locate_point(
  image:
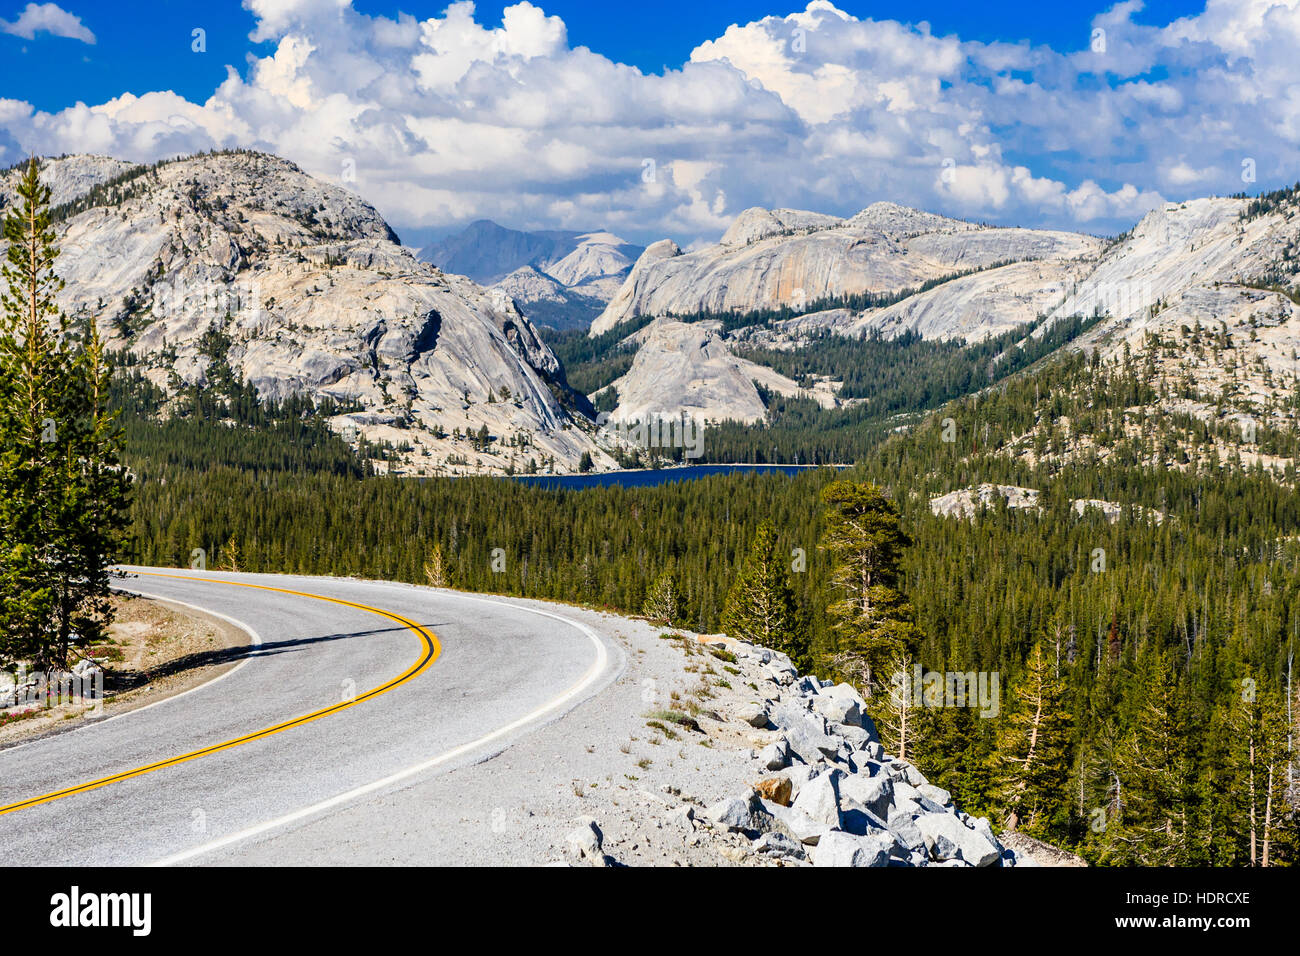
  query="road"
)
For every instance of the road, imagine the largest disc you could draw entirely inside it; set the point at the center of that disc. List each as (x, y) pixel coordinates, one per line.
(352, 688)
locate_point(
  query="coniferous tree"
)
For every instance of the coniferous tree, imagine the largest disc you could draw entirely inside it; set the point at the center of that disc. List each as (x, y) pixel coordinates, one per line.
(435, 569)
(872, 619)
(1033, 754)
(661, 602)
(62, 489)
(1256, 758)
(898, 715)
(94, 510)
(1154, 767)
(760, 607)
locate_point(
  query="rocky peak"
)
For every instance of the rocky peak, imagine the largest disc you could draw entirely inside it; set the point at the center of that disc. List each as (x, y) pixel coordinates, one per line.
(307, 283)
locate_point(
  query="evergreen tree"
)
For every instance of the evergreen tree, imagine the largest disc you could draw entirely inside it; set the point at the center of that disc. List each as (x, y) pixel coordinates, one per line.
(94, 510)
(1154, 767)
(760, 607)
(62, 490)
(872, 619)
(661, 603)
(898, 714)
(435, 569)
(1033, 750)
(229, 555)
(1256, 764)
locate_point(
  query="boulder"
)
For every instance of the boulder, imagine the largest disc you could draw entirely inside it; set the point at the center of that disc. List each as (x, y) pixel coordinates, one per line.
(819, 799)
(776, 789)
(798, 774)
(948, 839)
(838, 848)
(798, 825)
(806, 685)
(838, 709)
(855, 737)
(874, 793)
(906, 772)
(745, 814)
(780, 846)
(780, 674)
(903, 826)
(805, 733)
(776, 755)
(752, 713)
(939, 795)
(586, 841)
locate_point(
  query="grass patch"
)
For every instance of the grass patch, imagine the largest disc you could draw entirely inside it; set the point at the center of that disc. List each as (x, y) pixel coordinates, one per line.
(676, 717)
(663, 729)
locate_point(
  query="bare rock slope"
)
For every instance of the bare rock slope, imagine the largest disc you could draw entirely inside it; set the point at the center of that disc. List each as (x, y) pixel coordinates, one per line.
(769, 259)
(316, 297)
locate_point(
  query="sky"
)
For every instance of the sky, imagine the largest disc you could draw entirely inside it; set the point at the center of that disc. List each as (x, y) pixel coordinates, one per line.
(670, 118)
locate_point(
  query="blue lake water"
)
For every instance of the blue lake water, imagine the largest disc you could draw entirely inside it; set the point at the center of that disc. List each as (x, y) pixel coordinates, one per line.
(652, 476)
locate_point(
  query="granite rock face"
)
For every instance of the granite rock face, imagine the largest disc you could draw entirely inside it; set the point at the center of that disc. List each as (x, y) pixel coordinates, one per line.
(774, 258)
(316, 297)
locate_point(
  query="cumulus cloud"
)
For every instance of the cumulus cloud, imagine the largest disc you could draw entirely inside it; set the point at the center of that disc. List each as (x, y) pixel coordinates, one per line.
(48, 18)
(447, 119)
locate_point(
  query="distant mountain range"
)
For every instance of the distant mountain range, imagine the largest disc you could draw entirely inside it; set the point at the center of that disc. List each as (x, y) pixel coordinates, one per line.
(301, 288)
(558, 278)
(784, 279)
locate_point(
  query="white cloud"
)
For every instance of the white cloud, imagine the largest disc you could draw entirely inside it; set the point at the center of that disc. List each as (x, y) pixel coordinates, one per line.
(447, 119)
(48, 18)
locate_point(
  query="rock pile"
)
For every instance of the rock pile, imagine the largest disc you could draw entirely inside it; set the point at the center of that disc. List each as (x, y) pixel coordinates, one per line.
(829, 795)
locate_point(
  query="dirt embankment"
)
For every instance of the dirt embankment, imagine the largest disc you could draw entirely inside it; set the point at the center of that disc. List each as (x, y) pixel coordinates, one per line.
(155, 650)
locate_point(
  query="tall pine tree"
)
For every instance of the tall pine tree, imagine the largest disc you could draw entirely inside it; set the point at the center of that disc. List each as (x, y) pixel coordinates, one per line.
(760, 607)
(871, 618)
(1033, 755)
(63, 491)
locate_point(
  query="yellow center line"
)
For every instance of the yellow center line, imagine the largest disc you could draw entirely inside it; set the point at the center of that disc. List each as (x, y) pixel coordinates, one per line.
(432, 649)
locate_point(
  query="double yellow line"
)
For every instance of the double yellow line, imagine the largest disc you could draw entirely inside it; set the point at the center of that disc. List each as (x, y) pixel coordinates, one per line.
(430, 653)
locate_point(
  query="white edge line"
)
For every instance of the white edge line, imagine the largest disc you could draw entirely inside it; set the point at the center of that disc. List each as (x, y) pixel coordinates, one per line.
(593, 672)
(255, 640)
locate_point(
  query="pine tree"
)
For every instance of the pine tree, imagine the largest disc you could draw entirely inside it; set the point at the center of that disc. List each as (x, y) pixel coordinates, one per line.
(872, 619)
(1033, 748)
(661, 602)
(94, 510)
(229, 555)
(435, 569)
(898, 714)
(34, 427)
(1154, 768)
(760, 607)
(1256, 765)
(63, 492)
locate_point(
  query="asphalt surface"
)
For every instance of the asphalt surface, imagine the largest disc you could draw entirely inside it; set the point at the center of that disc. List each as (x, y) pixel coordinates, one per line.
(443, 680)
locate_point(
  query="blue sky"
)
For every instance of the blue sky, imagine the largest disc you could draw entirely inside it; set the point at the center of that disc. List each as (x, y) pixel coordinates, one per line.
(671, 117)
(144, 45)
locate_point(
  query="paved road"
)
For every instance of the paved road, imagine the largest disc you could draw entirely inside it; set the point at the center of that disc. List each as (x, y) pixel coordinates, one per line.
(353, 688)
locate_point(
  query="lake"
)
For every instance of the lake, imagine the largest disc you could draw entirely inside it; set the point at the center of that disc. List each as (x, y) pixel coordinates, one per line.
(641, 478)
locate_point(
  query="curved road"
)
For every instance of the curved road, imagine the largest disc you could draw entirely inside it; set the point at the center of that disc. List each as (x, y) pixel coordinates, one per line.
(351, 688)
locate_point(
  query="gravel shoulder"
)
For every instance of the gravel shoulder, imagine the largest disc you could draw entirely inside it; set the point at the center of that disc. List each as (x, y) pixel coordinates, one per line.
(661, 761)
(157, 649)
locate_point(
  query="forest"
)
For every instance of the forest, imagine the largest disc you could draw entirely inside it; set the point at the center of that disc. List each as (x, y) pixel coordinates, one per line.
(1159, 644)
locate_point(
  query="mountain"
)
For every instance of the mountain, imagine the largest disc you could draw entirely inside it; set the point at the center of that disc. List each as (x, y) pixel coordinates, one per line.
(561, 279)
(302, 289)
(798, 284)
(772, 259)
